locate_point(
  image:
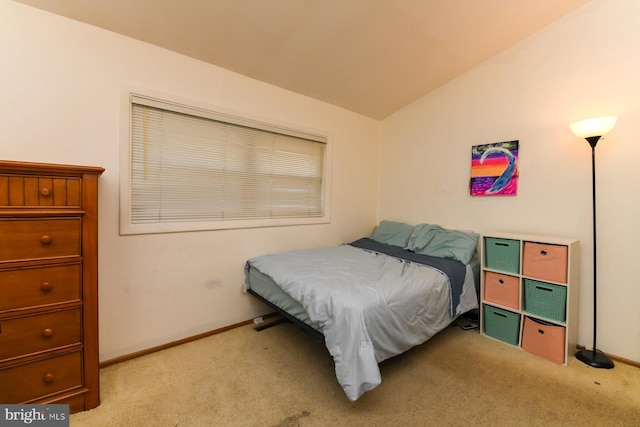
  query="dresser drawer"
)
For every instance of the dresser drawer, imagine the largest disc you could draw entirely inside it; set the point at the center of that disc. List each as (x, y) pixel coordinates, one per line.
(40, 378)
(30, 334)
(546, 262)
(39, 191)
(75, 400)
(38, 286)
(27, 238)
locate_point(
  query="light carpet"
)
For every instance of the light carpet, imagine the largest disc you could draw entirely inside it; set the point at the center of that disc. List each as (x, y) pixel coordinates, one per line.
(283, 377)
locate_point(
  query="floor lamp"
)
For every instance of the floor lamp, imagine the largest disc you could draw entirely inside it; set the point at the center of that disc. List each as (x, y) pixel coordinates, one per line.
(592, 130)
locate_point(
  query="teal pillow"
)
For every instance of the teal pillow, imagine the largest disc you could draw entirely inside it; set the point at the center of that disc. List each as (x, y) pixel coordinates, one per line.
(392, 233)
(433, 240)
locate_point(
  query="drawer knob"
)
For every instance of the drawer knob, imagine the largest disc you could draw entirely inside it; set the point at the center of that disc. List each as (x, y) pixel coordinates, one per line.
(44, 191)
(45, 240)
(48, 378)
(47, 333)
(46, 287)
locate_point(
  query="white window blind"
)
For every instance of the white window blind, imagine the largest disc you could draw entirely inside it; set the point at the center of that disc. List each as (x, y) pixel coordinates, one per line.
(193, 165)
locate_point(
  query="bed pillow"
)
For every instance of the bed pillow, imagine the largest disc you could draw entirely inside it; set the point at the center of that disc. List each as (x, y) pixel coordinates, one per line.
(433, 240)
(392, 233)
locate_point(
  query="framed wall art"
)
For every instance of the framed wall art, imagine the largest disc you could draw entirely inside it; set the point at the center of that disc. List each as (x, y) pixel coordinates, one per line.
(494, 169)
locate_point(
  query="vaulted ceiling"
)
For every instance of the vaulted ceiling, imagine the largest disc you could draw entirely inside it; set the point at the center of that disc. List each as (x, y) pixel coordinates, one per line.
(369, 56)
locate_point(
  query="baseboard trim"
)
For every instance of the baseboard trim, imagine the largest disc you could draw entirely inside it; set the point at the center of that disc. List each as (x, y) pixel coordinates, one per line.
(247, 322)
(176, 343)
(614, 357)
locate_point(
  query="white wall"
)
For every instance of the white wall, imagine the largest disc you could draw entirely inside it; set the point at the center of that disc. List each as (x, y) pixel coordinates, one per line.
(59, 86)
(585, 65)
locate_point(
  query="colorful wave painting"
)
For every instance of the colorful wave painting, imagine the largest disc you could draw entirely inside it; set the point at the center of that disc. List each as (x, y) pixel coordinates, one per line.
(494, 169)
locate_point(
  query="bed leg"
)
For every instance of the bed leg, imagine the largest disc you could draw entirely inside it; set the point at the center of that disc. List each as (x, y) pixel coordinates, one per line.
(270, 324)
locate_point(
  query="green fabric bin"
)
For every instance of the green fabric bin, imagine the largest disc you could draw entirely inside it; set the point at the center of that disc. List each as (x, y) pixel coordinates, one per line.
(502, 254)
(545, 300)
(503, 325)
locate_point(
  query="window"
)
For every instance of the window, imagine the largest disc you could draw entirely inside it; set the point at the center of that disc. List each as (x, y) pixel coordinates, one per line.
(196, 169)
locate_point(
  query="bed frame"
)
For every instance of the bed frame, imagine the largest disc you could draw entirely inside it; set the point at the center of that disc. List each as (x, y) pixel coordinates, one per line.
(286, 317)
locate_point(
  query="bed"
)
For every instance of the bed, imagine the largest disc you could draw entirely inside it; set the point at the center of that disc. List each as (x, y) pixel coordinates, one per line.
(374, 298)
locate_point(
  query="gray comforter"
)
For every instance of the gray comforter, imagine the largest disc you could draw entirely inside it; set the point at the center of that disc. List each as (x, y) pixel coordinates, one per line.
(370, 306)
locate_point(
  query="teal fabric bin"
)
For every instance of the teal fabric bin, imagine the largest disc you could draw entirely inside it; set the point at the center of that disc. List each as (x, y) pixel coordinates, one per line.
(503, 325)
(545, 300)
(502, 254)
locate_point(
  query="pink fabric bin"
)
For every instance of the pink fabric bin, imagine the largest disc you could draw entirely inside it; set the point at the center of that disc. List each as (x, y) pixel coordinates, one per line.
(544, 340)
(502, 289)
(546, 262)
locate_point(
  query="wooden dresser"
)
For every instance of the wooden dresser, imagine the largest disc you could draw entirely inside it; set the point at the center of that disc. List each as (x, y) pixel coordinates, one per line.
(49, 284)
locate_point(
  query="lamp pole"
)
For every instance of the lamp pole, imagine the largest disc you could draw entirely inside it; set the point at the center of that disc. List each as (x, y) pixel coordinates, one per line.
(592, 130)
(594, 357)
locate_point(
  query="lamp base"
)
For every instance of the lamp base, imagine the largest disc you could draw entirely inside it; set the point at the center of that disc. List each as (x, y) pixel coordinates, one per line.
(594, 358)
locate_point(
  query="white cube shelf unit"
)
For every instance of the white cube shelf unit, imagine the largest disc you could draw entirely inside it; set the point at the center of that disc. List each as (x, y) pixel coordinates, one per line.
(529, 293)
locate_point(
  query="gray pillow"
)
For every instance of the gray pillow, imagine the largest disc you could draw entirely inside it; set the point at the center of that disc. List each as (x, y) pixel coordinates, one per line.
(392, 233)
(433, 240)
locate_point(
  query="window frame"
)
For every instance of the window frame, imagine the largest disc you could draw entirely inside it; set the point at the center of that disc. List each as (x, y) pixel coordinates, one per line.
(127, 95)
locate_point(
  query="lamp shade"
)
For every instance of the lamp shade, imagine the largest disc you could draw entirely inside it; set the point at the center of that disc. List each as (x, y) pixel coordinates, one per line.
(598, 126)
